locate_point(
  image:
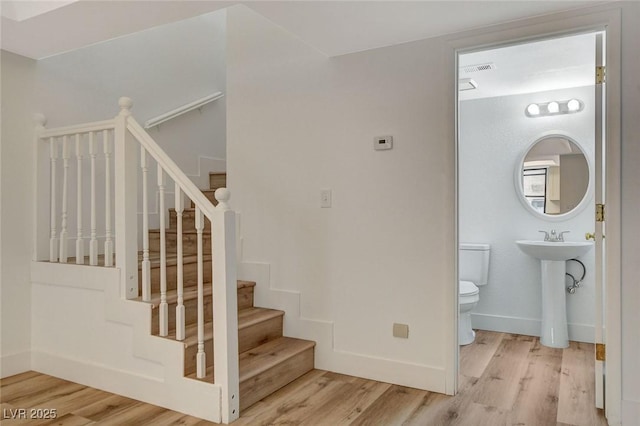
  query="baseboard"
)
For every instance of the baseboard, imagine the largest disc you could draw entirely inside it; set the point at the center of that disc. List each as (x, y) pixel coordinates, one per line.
(13, 364)
(327, 357)
(527, 326)
(630, 413)
(191, 397)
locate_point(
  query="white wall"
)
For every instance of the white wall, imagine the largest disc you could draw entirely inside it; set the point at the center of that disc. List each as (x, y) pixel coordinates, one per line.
(383, 253)
(630, 314)
(494, 135)
(17, 207)
(299, 122)
(160, 69)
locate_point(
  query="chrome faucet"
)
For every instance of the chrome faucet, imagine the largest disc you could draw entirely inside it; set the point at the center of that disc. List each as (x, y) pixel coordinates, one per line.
(553, 236)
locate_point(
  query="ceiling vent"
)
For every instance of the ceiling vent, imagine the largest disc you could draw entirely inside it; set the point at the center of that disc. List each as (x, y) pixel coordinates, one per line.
(480, 67)
(467, 84)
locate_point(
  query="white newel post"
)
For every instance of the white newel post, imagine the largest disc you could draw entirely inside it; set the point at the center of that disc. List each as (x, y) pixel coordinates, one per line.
(225, 306)
(126, 205)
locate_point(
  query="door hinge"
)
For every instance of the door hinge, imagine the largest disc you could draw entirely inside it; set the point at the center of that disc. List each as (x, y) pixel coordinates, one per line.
(599, 212)
(601, 351)
(600, 74)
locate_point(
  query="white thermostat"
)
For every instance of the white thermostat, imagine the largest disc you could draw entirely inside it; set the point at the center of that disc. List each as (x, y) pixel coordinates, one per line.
(383, 142)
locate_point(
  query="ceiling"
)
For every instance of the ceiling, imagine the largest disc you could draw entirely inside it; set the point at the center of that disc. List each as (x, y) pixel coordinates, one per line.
(38, 29)
(558, 63)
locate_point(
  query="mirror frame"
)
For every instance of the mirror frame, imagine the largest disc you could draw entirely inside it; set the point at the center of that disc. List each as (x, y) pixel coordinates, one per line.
(586, 199)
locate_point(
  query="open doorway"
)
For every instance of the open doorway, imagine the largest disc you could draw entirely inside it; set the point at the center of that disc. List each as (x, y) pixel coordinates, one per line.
(530, 160)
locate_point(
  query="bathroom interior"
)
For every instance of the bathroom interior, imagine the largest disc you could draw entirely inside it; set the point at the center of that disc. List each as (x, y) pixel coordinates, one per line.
(526, 164)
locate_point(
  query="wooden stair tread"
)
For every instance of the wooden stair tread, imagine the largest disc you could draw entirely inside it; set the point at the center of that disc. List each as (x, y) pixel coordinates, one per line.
(246, 318)
(190, 292)
(260, 359)
(268, 355)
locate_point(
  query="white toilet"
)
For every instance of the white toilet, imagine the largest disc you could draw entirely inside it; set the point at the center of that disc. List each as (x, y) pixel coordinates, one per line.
(473, 260)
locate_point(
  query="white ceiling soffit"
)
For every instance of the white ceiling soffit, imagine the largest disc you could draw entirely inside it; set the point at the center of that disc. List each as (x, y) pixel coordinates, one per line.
(21, 10)
(82, 23)
(341, 27)
(333, 27)
(558, 63)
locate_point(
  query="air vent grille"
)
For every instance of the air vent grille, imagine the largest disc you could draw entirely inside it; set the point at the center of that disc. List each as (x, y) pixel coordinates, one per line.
(479, 67)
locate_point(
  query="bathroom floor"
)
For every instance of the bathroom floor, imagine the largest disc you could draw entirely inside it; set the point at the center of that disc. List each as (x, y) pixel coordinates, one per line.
(513, 379)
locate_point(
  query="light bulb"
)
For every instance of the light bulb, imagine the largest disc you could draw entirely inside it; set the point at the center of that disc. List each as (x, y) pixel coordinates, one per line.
(533, 109)
(573, 105)
(553, 107)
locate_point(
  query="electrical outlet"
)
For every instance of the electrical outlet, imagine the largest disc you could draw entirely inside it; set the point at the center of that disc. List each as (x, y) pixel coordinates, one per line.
(325, 198)
(401, 330)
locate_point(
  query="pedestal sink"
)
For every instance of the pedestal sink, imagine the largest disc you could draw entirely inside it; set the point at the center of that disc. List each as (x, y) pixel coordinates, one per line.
(552, 256)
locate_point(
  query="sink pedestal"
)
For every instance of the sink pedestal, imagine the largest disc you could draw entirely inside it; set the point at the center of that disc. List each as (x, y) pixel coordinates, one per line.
(554, 332)
(552, 256)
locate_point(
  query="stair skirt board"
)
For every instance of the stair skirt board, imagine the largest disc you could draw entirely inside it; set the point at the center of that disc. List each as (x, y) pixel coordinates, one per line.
(105, 344)
(186, 396)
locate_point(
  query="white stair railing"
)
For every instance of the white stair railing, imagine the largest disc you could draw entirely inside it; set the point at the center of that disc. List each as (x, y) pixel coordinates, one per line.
(127, 149)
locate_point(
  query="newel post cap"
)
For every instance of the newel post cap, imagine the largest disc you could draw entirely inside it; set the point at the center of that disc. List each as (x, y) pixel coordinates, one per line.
(125, 104)
(40, 119)
(222, 195)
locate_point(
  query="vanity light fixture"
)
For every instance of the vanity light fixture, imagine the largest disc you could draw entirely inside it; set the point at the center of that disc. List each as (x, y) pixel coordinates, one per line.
(573, 105)
(554, 108)
(533, 110)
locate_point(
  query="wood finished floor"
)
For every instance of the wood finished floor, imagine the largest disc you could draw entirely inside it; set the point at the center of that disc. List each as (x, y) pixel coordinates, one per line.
(505, 379)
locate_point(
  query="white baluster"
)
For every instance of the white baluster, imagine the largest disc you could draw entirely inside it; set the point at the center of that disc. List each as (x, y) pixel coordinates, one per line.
(146, 264)
(53, 240)
(65, 180)
(201, 365)
(93, 244)
(108, 243)
(79, 241)
(164, 308)
(180, 312)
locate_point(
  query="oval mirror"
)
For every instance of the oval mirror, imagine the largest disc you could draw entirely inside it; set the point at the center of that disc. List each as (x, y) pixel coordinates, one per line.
(553, 178)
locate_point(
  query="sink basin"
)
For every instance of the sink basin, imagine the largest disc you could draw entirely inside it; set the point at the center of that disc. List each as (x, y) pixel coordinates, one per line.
(548, 250)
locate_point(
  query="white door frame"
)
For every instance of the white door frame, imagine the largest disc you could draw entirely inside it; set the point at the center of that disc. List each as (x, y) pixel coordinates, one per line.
(584, 20)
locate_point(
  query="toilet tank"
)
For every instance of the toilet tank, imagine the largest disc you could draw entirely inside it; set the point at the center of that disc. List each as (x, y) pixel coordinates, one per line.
(473, 263)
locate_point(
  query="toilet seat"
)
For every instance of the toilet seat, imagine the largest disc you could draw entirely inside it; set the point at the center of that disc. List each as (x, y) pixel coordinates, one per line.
(467, 288)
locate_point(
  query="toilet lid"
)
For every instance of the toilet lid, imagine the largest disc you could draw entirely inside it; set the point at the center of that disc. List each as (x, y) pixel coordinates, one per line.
(467, 288)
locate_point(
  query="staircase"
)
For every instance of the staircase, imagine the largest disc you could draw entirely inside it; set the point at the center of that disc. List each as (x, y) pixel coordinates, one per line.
(267, 359)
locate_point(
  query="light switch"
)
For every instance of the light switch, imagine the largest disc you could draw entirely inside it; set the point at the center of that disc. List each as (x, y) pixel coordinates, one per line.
(325, 198)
